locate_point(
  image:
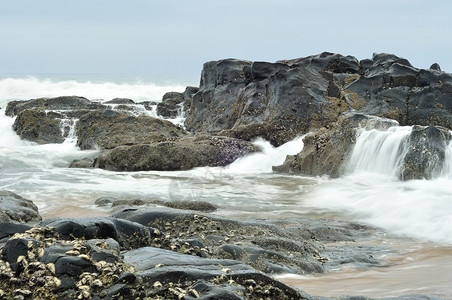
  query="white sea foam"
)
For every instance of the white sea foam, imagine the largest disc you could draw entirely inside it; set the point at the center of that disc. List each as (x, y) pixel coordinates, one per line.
(32, 87)
(372, 193)
(262, 162)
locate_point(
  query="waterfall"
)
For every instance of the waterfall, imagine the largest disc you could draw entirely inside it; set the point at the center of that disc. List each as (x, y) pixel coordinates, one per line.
(381, 152)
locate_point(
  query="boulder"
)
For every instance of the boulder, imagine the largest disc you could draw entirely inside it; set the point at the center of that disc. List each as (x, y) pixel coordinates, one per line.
(281, 100)
(426, 152)
(14, 208)
(40, 127)
(326, 151)
(108, 129)
(174, 103)
(179, 154)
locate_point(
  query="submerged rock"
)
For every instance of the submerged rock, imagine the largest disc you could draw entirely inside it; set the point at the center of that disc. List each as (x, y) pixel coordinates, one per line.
(178, 154)
(16, 208)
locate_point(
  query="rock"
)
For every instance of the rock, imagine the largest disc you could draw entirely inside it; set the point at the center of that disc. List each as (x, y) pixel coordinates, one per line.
(179, 154)
(127, 234)
(39, 126)
(435, 67)
(8, 229)
(426, 152)
(120, 101)
(166, 267)
(263, 246)
(51, 104)
(390, 87)
(326, 151)
(85, 163)
(108, 129)
(174, 104)
(281, 100)
(16, 208)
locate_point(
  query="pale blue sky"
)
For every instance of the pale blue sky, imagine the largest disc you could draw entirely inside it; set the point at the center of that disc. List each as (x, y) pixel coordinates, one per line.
(176, 37)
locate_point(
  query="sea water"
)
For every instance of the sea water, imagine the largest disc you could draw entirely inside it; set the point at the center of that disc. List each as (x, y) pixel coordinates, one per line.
(418, 212)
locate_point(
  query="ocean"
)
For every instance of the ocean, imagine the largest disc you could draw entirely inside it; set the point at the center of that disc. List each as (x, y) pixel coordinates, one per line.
(414, 217)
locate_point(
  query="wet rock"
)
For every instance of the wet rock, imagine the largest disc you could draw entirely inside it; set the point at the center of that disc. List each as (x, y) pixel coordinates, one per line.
(166, 267)
(279, 100)
(108, 129)
(120, 101)
(8, 229)
(426, 152)
(180, 154)
(16, 208)
(85, 163)
(174, 103)
(260, 245)
(48, 104)
(127, 234)
(39, 126)
(326, 151)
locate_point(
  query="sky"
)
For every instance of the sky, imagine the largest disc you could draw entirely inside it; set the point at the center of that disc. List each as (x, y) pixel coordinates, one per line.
(171, 38)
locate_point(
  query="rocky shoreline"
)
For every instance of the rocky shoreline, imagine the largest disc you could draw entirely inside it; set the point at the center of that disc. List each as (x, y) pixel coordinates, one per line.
(181, 251)
(155, 252)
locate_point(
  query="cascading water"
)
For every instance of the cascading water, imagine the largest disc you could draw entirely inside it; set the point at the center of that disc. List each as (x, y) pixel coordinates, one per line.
(379, 151)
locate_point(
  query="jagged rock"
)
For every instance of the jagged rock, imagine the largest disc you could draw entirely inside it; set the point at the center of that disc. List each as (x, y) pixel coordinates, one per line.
(173, 102)
(179, 154)
(279, 101)
(16, 208)
(326, 151)
(108, 129)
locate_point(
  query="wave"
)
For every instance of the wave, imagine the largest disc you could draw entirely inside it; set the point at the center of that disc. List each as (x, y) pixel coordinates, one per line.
(32, 87)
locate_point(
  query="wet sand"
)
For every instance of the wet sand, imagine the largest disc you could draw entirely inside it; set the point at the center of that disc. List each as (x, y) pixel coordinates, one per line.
(416, 269)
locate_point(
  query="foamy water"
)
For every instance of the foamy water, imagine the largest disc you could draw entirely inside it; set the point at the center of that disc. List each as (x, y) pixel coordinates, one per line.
(370, 191)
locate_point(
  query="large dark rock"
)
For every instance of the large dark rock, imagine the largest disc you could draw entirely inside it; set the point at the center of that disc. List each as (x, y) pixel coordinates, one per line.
(16, 208)
(108, 129)
(326, 151)
(390, 87)
(275, 100)
(279, 101)
(426, 152)
(179, 154)
(51, 104)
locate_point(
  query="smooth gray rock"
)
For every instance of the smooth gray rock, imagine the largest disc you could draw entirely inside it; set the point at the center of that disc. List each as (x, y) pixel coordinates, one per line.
(16, 208)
